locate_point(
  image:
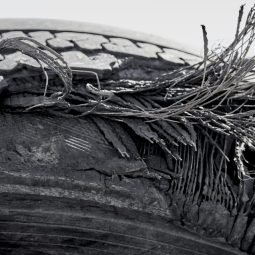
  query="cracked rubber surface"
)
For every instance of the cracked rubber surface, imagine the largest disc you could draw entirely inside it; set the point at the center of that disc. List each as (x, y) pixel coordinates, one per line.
(64, 189)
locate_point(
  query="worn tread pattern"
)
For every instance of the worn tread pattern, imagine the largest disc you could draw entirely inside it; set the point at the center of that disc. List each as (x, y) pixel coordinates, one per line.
(93, 52)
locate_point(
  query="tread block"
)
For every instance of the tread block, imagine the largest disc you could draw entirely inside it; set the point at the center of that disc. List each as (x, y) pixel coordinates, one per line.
(41, 36)
(13, 34)
(83, 40)
(125, 46)
(11, 61)
(99, 62)
(175, 56)
(57, 43)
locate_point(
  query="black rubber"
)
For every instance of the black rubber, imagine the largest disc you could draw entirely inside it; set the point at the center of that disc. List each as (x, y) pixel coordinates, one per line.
(64, 189)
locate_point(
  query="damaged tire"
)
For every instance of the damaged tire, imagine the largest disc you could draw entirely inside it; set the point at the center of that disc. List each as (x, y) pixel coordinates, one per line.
(96, 185)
